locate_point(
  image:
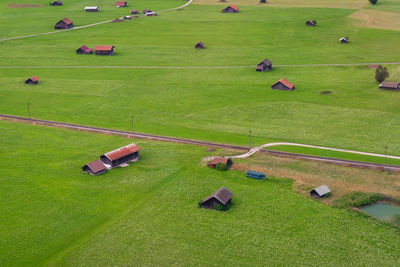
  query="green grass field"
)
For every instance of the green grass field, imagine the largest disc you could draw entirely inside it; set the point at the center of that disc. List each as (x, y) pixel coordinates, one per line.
(147, 214)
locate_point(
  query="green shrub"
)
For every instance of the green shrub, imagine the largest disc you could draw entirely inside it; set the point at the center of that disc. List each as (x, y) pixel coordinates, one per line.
(356, 199)
(381, 73)
(373, 1)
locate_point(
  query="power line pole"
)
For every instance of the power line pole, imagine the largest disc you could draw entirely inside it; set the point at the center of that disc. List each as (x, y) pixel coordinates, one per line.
(386, 159)
(250, 138)
(132, 122)
(29, 112)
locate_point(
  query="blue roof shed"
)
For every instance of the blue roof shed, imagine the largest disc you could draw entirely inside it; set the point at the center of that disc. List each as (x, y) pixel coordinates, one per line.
(255, 175)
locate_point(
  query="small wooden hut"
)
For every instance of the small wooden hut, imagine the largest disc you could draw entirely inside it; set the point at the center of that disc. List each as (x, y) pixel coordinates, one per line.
(226, 161)
(117, 20)
(230, 9)
(322, 191)
(121, 4)
(310, 23)
(146, 11)
(199, 45)
(263, 1)
(222, 197)
(56, 3)
(134, 12)
(150, 14)
(92, 9)
(84, 50)
(105, 50)
(282, 84)
(95, 167)
(127, 17)
(32, 80)
(343, 40)
(65, 23)
(121, 155)
(264, 65)
(389, 85)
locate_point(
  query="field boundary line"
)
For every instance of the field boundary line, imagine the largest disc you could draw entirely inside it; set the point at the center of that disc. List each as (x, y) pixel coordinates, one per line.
(84, 26)
(194, 67)
(341, 162)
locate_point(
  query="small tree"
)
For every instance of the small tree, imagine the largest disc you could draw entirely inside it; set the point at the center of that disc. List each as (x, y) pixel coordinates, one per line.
(373, 1)
(315, 22)
(381, 73)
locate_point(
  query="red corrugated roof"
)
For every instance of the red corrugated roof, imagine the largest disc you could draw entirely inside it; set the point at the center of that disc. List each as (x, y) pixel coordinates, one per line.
(122, 152)
(103, 47)
(120, 3)
(34, 78)
(234, 8)
(219, 160)
(284, 82)
(86, 49)
(67, 21)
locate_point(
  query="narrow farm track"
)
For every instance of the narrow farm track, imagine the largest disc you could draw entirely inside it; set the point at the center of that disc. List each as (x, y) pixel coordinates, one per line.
(192, 67)
(349, 163)
(84, 26)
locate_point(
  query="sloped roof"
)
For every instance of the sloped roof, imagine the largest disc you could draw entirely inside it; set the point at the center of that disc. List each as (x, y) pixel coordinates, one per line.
(219, 160)
(120, 3)
(234, 7)
(91, 7)
(85, 48)
(96, 166)
(122, 151)
(322, 190)
(103, 47)
(343, 39)
(266, 62)
(310, 21)
(223, 195)
(286, 83)
(67, 21)
(394, 85)
(34, 78)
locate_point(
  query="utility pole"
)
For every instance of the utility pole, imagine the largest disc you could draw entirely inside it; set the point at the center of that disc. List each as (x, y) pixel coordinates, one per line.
(132, 122)
(386, 159)
(250, 138)
(29, 112)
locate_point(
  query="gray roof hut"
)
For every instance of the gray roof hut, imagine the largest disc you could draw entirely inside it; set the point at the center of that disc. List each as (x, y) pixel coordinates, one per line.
(92, 9)
(321, 191)
(221, 197)
(343, 40)
(264, 65)
(95, 167)
(389, 85)
(56, 3)
(65, 23)
(199, 45)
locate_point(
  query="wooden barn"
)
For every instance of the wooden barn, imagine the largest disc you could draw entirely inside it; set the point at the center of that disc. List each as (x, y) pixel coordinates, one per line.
(230, 9)
(199, 45)
(263, 1)
(84, 50)
(32, 80)
(56, 3)
(264, 65)
(134, 12)
(95, 167)
(146, 11)
(389, 85)
(127, 17)
(92, 9)
(65, 23)
(282, 84)
(121, 155)
(222, 197)
(226, 161)
(121, 4)
(150, 14)
(322, 191)
(104, 50)
(343, 40)
(310, 23)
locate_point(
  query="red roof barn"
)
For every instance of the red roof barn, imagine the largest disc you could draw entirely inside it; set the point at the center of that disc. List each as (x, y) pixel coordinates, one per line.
(32, 80)
(84, 50)
(121, 155)
(215, 161)
(104, 49)
(230, 9)
(121, 4)
(65, 23)
(282, 84)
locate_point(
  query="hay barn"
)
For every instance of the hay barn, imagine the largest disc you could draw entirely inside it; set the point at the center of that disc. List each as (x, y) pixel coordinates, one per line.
(121, 4)
(134, 12)
(264, 65)
(310, 23)
(84, 50)
(32, 80)
(343, 40)
(230, 9)
(146, 11)
(199, 45)
(282, 84)
(226, 161)
(150, 14)
(322, 191)
(221, 197)
(389, 86)
(95, 167)
(56, 3)
(65, 23)
(121, 155)
(92, 9)
(105, 50)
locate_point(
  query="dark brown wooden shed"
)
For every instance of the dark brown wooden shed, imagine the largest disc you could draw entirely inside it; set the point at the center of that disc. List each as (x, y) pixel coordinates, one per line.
(32, 80)
(389, 85)
(263, 1)
(146, 11)
(134, 12)
(65, 23)
(343, 40)
(84, 50)
(264, 65)
(199, 45)
(117, 20)
(282, 84)
(105, 50)
(226, 161)
(222, 197)
(121, 155)
(230, 9)
(310, 23)
(56, 3)
(95, 167)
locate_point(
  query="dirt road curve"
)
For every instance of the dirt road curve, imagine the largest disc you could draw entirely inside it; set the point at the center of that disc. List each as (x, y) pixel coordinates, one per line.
(340, 162)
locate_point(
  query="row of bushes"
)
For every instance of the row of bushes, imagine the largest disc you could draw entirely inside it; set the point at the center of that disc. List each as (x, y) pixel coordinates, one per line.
(357, 199)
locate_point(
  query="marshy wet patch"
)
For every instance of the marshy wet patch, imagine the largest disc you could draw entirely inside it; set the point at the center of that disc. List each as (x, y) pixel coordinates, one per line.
(383, 211)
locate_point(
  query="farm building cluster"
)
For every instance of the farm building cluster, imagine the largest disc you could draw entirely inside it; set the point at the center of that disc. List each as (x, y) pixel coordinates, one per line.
(116, 158)
(104, 50)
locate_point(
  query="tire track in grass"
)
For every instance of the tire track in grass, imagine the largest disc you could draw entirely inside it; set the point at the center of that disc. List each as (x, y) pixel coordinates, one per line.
(55, 258)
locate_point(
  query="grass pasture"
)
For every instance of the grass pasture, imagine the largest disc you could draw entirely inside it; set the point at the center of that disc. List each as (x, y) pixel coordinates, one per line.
(147, 214)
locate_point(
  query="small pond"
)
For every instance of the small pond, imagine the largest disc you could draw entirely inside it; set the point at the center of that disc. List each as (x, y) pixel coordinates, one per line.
(382, 211)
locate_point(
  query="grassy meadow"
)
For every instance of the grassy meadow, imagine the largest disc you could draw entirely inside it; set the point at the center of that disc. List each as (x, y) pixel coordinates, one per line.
(147, 214)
